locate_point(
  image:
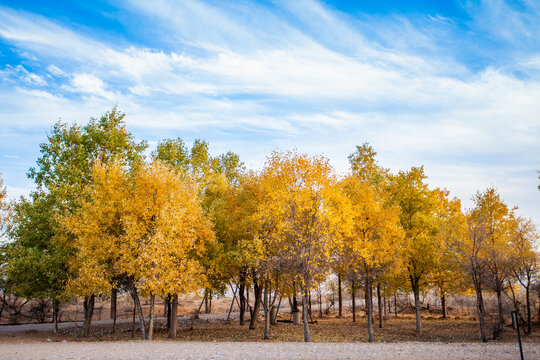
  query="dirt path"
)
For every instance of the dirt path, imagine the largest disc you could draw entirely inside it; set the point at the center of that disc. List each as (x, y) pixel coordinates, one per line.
(227, 350)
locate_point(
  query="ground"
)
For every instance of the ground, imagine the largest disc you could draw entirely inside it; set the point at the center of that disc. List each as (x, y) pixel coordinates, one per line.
(211, 336)
(259, 350)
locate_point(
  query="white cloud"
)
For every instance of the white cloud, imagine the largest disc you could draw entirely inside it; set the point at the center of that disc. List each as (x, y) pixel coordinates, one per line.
(317, 82)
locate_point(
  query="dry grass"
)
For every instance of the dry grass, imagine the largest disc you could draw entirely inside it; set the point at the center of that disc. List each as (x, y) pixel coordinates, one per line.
(327, 329)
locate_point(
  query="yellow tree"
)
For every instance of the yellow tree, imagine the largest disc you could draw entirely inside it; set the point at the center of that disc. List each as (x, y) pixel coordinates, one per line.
(524, 259)
(417, 203)
(144, 231)
(299, 209)
(496, 220)
(371, 244)
(447, 275)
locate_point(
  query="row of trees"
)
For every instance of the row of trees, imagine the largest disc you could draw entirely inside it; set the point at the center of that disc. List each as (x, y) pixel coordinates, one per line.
(105, 219)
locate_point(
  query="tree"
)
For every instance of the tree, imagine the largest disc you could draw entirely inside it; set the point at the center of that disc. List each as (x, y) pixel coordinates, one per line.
(447, 274)
(37, 263)
(64, 168)
(496, 221)
(417, 204)
(144, 231)
(524, 259)
(299, 210)
(371, 245)
(470, 240)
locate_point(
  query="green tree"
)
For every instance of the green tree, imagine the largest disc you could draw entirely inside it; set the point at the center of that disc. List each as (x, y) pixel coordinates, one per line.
(37, 262)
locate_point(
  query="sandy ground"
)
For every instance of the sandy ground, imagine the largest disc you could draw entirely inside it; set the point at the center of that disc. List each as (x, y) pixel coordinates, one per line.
(228, 350)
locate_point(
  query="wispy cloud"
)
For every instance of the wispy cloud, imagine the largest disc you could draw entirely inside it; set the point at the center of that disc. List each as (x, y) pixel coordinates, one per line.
(251, 77)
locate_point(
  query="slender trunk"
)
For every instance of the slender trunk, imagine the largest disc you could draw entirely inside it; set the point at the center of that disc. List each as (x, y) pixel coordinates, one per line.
(166, 306)
(340, 303)
(137, 301)
(500, 322)
(56, 307)
(320, 302)
(133, 320)
(443, 304)
(369, 305)
(169, 307)
(528, 299)
(151, 326)
(174, 316)
(113, 308)
(274, 319)
(242, 302)
(309, 305)
(88, 312)
(353, 295)
(379, 303)
(415, 284)
(206, 305)
(266, 311)
(395, 304)
(257, 307)
(305, 313)
(386, 306)
(480, 308)
(232, 303)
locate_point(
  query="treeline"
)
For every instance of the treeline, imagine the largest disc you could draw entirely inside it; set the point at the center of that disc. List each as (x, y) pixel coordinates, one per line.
(105, 218)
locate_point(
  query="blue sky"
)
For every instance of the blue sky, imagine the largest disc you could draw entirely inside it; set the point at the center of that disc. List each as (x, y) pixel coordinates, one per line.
(451, 85)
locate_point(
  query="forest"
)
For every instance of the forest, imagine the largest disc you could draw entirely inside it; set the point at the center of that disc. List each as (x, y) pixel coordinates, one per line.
(109, 217)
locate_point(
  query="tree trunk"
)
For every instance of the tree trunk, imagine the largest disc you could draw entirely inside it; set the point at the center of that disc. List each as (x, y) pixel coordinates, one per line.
(395, 304)
(309, 305)
(353, 295)
(88, 312)
(257, 307)
(168, 301)
(415, 284)
(151, 325)
(133, 320)
(56, 307)
(340, 303)
(174, 316)
(528, 299)
(369, 305)
(320, 301)
(500, 322)
(242, 302)
(480, 308)
(113, 308)
(166, 306)
(266, 311)
(443, 305)
(137, 301)
(379, 303)
(305, 313)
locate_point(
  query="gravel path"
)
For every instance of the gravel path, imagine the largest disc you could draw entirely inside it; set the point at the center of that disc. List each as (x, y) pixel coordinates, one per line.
(197, 350)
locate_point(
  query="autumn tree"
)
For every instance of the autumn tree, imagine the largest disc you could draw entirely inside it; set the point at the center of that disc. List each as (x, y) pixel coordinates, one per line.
(496, 222)
(524, 259)
(417, 203)
(217, 177)
(372, 243)
(63, 171)
(300, 209)
(447, 275)
(143, 231)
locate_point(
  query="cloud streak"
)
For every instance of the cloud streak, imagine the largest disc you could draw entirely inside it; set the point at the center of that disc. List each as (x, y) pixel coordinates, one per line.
(252, 77)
